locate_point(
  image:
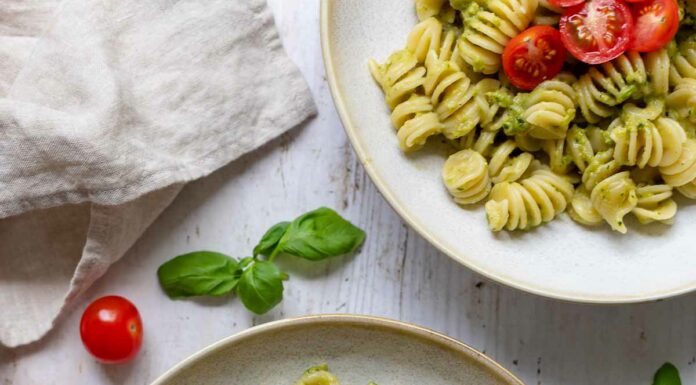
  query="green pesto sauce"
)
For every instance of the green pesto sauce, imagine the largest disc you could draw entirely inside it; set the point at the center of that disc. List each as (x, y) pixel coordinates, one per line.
(319, 375)
(514, 122)
(462, 5)
(503, 97)
(635, 123)
(582, 143)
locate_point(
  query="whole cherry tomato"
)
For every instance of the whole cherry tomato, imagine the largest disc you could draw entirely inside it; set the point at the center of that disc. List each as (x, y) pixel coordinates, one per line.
(111, 329)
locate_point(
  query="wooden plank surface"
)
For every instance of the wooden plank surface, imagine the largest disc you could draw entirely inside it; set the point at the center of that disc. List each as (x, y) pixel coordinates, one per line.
(396, 275)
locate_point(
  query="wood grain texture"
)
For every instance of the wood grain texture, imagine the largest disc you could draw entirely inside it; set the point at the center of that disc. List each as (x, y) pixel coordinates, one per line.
(397, 274)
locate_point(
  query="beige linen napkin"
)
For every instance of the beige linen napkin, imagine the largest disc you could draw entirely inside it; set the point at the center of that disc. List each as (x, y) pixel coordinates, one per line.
(106, 109)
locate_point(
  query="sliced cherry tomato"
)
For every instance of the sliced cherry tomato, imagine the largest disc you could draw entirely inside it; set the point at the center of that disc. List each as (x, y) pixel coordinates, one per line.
(597, 31)
(656, 23)
(565, 3)
(111, 329)
(635, 1)
(535, 55)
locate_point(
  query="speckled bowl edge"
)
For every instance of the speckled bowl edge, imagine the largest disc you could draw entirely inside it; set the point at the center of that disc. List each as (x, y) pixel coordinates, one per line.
(351, 320)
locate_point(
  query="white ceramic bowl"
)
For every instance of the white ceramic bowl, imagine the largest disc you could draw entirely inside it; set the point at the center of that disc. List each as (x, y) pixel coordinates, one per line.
(358, 349)
(560, 260)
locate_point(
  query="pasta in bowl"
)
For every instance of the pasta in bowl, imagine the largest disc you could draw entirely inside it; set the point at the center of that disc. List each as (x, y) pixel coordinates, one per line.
(514, 150)
(568, 249)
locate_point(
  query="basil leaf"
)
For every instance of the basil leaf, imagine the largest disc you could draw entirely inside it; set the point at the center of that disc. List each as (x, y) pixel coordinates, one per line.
(270, 239)
(320, 234)
(199, 273)
(261, 286)
(668, 374)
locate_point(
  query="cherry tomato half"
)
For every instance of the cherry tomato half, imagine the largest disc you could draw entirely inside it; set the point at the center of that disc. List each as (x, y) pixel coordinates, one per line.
(565, 3)
(597, 31)
(111, 329)
(656, 23)
(535, 55)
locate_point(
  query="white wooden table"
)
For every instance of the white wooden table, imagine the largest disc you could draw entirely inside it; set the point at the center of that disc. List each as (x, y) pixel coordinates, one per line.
(397, 274)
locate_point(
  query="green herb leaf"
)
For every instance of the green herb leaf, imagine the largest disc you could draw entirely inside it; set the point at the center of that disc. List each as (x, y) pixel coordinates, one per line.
(668, 374)
(270, 239)
(199, 273)
(261, 286)
(320, 234)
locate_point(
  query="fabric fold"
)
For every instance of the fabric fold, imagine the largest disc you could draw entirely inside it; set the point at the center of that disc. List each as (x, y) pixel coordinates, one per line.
(119, 104)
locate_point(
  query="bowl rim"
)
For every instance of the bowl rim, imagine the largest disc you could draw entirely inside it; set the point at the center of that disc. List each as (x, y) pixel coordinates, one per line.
(405, 328)
(349, 128)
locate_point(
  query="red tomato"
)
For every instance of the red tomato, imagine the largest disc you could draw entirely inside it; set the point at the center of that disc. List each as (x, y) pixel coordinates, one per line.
(635, 1)
(111, 329)
(597, 31)
(657, 21)
(535, 55)
(566, 3)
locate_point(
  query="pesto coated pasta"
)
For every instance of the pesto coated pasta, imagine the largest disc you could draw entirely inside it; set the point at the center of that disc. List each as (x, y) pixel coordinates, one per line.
(487, 29)
(466, 176)
(603, 142)
(320, 375)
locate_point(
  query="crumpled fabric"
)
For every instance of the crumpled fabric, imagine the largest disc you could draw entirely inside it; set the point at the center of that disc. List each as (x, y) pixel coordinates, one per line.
(106, 110)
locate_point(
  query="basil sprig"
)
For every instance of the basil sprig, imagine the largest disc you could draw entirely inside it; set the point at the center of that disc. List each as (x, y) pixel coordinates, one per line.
(257, 280)
(668, 374)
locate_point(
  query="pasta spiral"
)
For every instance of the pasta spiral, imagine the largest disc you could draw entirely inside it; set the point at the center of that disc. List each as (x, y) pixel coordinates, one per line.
(581, 209)
(506, 168)
(640, 142)
(431, 35)
(655, 204)
(399, 76)
(550, 108)
(429, 8)
(600, 90)
(629, 75)
(426, 36)
(559, 162)
(600, 167)
(613, 198)
(466, 177)
(481, 141)
(683, 63)
(682, 101)
(528, 203)
(579, 148)
(488, 30)
(682, 174)
(460, 105)
(412, 114)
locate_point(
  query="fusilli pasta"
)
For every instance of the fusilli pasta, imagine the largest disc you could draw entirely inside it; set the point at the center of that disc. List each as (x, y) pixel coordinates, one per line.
(618, 139)
(550, 108)
(487, 31)
(412, 114)
(613, 198)
(655, 204)
(528, 203)
(640, 142)
(466, 177)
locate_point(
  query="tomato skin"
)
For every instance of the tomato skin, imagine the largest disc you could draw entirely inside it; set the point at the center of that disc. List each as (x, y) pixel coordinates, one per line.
(111, 329)
(656, 24)
(533, 56)
(566, 3)
(597, 31)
